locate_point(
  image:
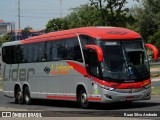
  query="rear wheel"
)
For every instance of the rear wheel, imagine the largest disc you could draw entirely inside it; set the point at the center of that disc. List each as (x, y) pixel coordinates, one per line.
(82, 99)
(27, 97)
(18, 96)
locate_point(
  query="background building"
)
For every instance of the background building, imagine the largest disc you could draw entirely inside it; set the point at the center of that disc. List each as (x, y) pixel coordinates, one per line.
(5, 27)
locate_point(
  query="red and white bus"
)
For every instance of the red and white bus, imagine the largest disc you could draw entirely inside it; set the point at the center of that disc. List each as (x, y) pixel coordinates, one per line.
(90, 64)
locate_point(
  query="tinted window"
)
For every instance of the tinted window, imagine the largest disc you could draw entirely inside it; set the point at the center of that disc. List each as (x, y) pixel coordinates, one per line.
(67, 49)
(13, 54)
(87, 40)
(24, 49)
(41, 52)
(9, 54)
(33, 52)
(61, 50)
(92, 65)
(48, 51)
(6, 55)
(73, 51)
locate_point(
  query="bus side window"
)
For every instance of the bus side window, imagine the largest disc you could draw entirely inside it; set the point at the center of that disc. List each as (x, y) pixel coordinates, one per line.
(92, 63)
(41, 52)
(25, 53)
(33, 52)
(10, 54)
(73, 50)
(14, 57)
(22, 54)
(53, 51)
(48, 51)
(61, 48)
(86, 40)
(6, 54)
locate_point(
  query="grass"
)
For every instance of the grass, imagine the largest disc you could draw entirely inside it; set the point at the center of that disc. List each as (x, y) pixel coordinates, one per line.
(156, 90)
(155, 66)
(0, 85)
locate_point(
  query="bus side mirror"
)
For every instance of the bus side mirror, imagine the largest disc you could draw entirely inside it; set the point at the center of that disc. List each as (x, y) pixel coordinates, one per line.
(154, 49)
(98, 51)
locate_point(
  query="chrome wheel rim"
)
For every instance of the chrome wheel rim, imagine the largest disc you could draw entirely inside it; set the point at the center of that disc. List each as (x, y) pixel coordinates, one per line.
(84, 98)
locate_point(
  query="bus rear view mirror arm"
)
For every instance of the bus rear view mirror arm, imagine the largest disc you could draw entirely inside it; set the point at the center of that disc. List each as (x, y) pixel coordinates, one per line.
(154, 49)
(98, 51)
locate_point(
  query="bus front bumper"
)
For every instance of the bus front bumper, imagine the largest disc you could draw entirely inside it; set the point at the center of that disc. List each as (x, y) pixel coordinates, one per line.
(120, 95)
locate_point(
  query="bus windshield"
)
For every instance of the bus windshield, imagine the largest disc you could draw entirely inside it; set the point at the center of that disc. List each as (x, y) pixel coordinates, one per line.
(124, 61)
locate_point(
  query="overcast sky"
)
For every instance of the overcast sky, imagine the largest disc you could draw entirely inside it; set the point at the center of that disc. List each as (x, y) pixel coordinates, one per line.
(36, 13)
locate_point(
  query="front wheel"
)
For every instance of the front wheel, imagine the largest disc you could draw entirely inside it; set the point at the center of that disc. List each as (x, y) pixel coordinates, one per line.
(27, 97)
(82, 99)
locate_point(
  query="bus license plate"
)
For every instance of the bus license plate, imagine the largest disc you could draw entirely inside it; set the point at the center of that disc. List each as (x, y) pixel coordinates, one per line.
(130, 98)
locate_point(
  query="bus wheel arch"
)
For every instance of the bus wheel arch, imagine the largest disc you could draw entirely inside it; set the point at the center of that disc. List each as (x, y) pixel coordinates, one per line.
(26, 94)
(18, 94)
(82, 97)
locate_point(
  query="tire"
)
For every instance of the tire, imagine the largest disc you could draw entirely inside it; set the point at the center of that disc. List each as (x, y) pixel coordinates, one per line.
(82, 99)
(19, 96)
(27, 97)
(128, 103)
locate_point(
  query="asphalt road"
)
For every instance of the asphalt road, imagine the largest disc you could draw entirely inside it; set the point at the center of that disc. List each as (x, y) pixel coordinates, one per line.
(65, 108)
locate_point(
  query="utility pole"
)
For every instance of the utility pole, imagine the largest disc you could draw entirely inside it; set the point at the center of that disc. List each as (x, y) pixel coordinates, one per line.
(61, 13)
(19, 15)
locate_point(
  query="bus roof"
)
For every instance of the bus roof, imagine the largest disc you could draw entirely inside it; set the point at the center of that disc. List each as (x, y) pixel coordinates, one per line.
(104, 33)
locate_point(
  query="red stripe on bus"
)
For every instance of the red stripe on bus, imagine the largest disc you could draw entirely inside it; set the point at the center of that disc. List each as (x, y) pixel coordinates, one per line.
(104, 33)
(82, 70)
(78, 68)
(62, 97)
(49, 38)
(72, 98)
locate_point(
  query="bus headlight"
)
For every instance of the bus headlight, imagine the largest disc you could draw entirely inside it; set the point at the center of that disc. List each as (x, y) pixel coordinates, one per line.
(108, 88)
(147, 86)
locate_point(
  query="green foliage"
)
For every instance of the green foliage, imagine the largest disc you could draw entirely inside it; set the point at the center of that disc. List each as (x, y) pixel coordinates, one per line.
(102, 13)
(155, 39)
(56, 25)
(26, 30)
(5, 38)
(143, 18)
(113, 12)
(147, 15)
(84, 15)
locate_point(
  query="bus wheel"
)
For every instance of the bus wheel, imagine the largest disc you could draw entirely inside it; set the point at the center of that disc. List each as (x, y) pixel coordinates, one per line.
(82, 99)
(128, 103)
(27, 97)
(19, 96)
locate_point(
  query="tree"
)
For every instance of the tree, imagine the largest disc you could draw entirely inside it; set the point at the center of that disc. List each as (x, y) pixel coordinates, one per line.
(147, 16)
(5, 38)
(56, 25)
(82, 16)
(26, 30)
(155, 39)
(113, 12)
